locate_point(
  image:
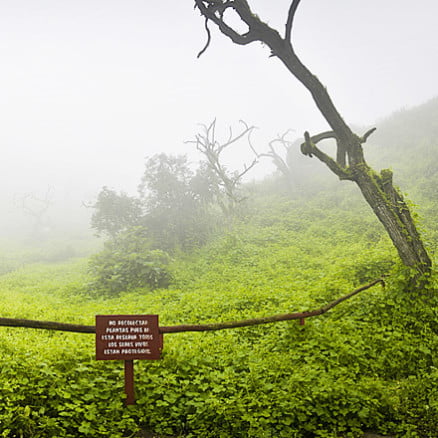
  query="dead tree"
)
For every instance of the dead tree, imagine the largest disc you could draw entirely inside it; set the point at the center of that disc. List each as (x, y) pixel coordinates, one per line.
(228, 182)
(280, 163)
(377, 187)
(37, 207)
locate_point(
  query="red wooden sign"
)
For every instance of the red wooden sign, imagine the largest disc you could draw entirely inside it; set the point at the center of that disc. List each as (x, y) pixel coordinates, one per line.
(128, 337)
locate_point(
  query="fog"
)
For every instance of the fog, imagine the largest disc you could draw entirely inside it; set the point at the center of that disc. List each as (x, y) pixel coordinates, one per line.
(88, 89)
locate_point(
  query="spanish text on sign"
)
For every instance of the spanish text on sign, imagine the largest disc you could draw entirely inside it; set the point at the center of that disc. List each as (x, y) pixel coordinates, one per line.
(127, 337)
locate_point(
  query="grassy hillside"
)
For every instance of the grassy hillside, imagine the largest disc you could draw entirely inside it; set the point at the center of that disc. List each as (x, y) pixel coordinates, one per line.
(370, 364)
(407, 142)
(367, 365)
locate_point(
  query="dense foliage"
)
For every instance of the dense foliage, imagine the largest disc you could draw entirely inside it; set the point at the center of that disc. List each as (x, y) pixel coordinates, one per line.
(174, 211)
(173, 206)
(370, 364)
(115, 213)
(127, 262)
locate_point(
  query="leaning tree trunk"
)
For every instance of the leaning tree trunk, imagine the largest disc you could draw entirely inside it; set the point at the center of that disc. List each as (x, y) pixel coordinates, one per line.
(393, 212)
(377, 189)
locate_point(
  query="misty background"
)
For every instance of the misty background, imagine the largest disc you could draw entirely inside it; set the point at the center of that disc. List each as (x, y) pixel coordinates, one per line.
(88, 89)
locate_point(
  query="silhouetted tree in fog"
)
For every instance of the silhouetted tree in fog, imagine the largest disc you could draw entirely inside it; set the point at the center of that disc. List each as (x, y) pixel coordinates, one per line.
(226, 183)
(115, 213)
(176, 202)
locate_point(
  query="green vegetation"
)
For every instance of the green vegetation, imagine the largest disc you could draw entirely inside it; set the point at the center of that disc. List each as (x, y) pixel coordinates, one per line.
(370, 364)
(127, 262)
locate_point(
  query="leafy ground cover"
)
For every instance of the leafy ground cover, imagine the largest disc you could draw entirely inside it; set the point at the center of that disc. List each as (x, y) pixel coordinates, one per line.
(368, 365)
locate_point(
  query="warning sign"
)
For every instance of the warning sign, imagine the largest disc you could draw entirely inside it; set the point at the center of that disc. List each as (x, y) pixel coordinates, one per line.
(128, 337)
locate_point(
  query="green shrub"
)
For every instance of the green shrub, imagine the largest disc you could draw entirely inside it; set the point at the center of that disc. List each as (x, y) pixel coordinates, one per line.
(127, 262)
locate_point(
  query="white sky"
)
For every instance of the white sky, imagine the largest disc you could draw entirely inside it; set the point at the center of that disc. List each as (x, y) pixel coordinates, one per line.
(89, 88)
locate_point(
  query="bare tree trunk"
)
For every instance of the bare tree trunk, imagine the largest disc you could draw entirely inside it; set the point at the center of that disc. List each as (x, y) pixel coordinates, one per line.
(228, 182)
(385, 200)
(392, 211)
(377, 189)
(280, 163)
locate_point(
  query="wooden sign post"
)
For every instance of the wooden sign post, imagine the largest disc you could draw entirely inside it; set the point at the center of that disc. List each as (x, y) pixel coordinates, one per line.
(128, 337)
(129, 382)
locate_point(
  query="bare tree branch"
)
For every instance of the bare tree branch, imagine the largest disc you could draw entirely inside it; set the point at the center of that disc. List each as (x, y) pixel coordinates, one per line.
(214, 10)
(208, 39)
(207, 144)
(290, 18)
(276, 158)
(269, 319)
(364, 138)
(309, 147)
(239, 176)
(231, 140)
(400, 227)
(47, 325)
(78, 328)
(37, 207)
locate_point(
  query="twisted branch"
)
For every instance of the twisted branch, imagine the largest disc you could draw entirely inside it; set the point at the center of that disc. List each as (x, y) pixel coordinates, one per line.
(208, 38)
(208, 145)
(58, 326)
(309, 147)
